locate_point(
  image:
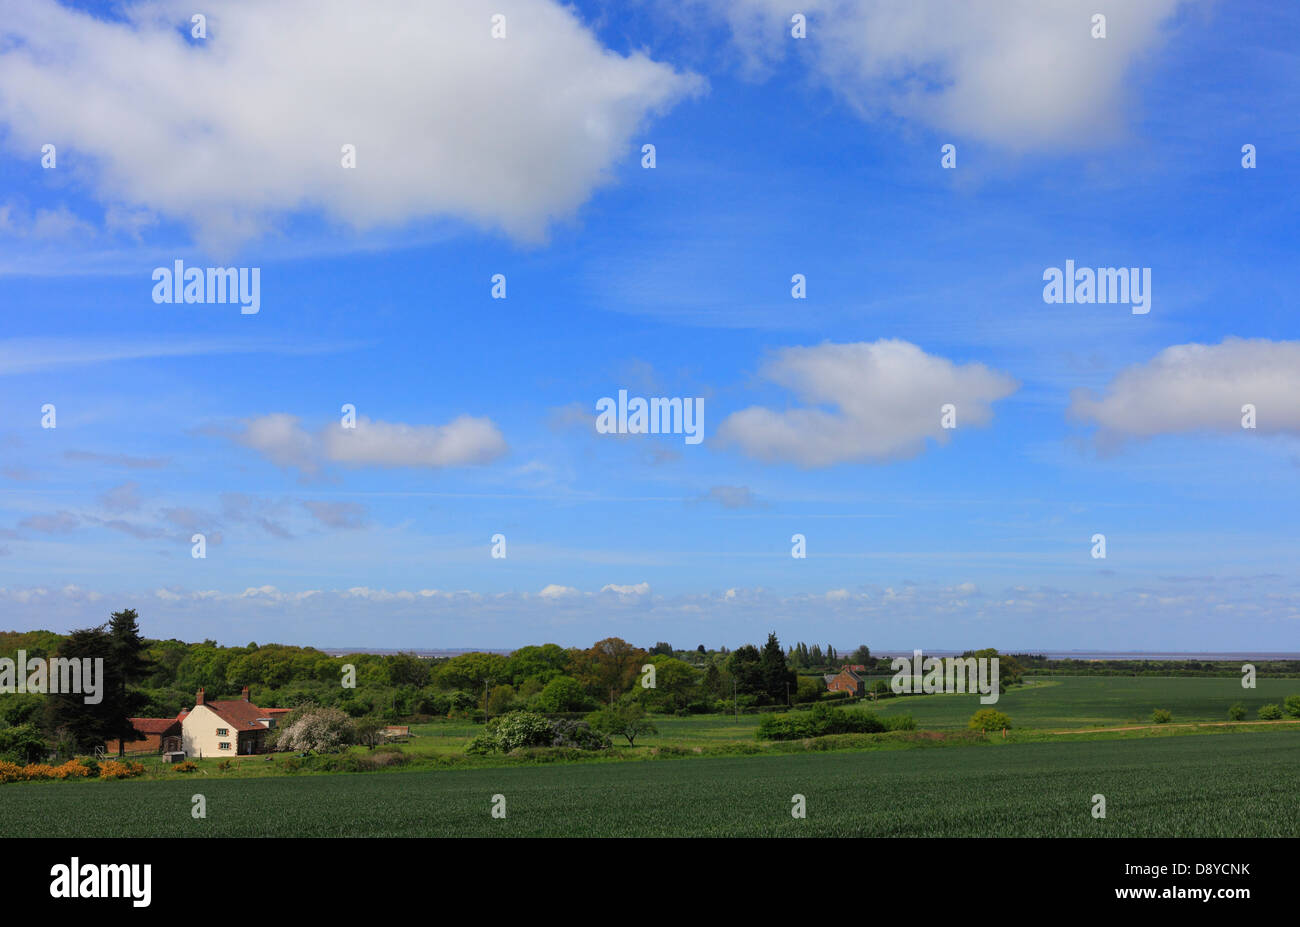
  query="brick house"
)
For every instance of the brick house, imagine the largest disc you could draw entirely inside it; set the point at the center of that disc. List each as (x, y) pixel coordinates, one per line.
(153, 735)
(226, 727)
(850, 679)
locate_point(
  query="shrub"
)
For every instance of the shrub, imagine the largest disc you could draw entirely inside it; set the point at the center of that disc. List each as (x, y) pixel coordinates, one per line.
(315, 729)
(22, 744)
(627, 720)
(1271, 712)
(569, 733)
(186, 766)
(823, 720)
(511, 732)
(1237, 712)
(1162, 716)
(988, 719)
(113, 769)
(1292, 705)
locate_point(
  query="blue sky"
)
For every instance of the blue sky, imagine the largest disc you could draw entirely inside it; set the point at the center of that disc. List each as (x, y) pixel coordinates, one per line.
(774, 156)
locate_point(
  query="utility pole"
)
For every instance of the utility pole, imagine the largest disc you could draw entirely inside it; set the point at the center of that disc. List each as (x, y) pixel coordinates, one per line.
(486, 683)
(735, 699)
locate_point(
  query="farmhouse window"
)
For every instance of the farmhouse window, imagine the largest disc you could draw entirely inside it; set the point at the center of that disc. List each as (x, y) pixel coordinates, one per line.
(223, 732)
(224, 745)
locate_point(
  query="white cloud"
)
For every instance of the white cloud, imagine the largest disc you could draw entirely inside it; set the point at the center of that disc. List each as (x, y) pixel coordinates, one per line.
(1193, 387)
(1019, 73)
(627, 591)
(464, 441)
(886, 396)
(554, 591)
(231, 133)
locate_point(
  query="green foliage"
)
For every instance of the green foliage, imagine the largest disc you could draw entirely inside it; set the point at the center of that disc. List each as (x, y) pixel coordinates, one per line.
(471, 670)
(626, 720)
(821, 720)
(1270, 712)
(542, 663)
(562, 693)
(676, 685)
(1292, 705)
(988, 719)
(1162, 716)
(1237, 711)
(512, 731)
(809, 689)
(22, 744)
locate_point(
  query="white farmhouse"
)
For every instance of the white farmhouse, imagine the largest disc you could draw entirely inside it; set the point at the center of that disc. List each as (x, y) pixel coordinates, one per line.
(227, 727)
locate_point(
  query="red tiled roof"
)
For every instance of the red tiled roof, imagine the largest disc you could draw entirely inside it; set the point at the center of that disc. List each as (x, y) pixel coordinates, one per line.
(241, 715)
(153, 725)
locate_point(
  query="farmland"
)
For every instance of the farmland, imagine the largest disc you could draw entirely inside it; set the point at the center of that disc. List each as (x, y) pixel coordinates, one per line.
(1098, 701)
(1243, 784)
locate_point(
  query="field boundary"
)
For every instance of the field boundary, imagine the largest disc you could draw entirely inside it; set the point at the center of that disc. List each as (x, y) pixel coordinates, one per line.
(1146, 727)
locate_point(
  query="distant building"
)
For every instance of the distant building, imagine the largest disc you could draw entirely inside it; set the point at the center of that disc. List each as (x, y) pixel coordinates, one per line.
(849, 679)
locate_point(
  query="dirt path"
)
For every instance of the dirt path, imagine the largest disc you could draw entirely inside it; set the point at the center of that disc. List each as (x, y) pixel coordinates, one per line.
(1146, 727)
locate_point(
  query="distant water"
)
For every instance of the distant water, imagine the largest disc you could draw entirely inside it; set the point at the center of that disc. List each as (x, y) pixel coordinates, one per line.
(1123, 654)
(1050, 654)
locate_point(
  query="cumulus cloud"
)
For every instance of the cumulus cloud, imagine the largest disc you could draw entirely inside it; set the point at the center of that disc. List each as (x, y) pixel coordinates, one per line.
(1018, 73)
(462, 442)
(230, 133)
(1195, 387)
(555, 591)
(627, 591)
(884, 397)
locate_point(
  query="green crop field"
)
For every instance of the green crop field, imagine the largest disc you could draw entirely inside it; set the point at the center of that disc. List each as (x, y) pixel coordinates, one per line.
(1066, 702)
(1243, 784)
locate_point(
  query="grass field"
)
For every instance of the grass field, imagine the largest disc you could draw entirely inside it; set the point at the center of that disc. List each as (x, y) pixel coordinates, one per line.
(1242, 784)
(1066, 702)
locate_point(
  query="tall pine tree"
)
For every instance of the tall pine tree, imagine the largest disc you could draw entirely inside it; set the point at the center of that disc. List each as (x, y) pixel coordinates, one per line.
(129, 667)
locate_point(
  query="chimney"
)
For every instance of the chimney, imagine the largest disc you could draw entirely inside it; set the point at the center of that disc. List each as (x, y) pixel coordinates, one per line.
(198, 699)
(243, 693)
